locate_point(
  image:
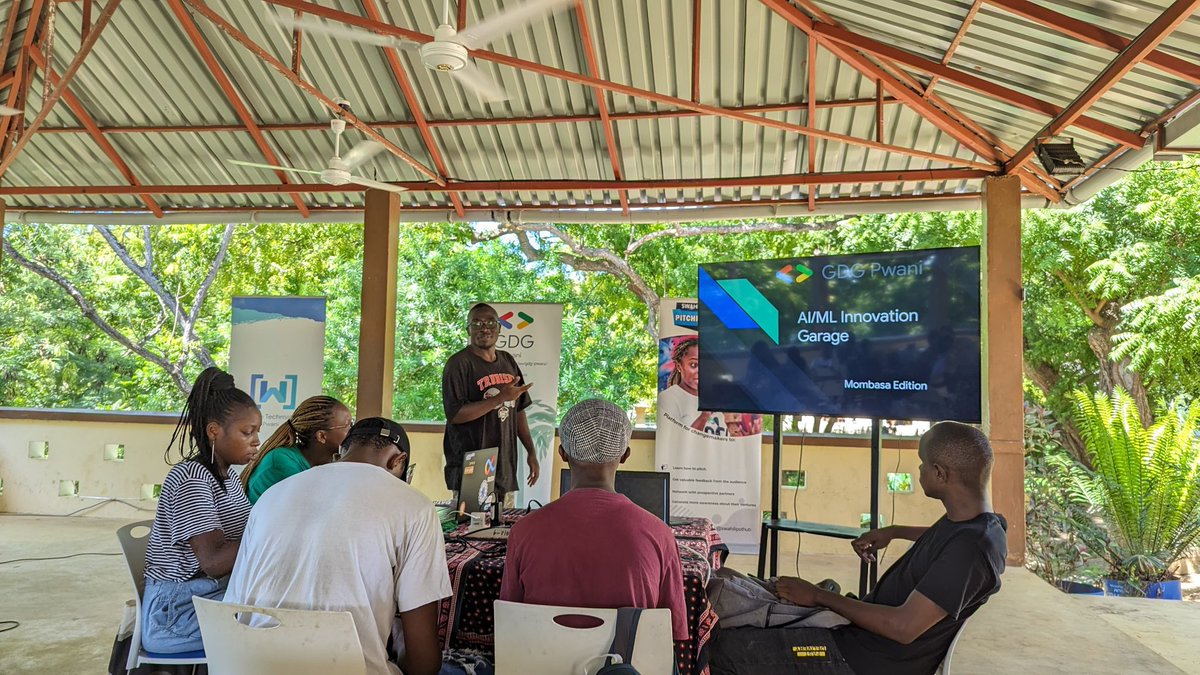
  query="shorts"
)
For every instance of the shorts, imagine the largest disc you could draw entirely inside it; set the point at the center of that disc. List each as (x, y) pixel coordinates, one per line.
(169, 623)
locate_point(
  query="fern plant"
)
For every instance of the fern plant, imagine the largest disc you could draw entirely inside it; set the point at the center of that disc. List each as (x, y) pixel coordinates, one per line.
(1145, 484)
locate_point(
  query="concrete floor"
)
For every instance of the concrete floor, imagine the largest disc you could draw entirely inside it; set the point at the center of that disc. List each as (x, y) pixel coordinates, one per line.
(69, 611)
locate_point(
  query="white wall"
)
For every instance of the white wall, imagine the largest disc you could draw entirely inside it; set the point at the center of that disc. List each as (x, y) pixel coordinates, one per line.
(837, 474)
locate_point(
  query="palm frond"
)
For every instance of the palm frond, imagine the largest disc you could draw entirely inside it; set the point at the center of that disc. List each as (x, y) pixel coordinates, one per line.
(1146, 481)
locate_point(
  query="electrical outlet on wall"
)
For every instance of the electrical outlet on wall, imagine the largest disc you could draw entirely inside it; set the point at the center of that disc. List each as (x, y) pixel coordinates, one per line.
(796, 480)
(864, 520)
(114, 452)
(900, 482)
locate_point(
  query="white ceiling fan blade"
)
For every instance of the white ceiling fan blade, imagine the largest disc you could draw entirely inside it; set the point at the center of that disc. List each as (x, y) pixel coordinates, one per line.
(253, 165)
(360, 153)
(5, 111)
(496, 27)
(475, 80)
(310, 24)
(367, 182)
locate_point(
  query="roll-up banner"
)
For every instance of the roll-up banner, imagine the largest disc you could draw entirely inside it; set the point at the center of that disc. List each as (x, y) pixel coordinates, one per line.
(277, 352)
(532, 333)
(715, 459)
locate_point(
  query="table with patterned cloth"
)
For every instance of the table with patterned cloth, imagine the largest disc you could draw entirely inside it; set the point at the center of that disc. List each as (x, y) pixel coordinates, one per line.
(465, 620)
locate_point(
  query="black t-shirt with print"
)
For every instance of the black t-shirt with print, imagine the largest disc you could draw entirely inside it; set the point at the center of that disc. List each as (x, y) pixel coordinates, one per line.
(957, 566)
(467, 378)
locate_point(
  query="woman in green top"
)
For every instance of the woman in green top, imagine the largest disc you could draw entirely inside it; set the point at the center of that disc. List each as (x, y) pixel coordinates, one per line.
(309, 438)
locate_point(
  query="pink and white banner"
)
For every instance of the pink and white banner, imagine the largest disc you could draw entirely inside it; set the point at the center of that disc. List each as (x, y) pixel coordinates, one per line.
(715, 459)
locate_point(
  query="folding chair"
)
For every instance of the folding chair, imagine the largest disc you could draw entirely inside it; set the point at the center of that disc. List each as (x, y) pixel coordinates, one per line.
(134, 548)
(279, 641)
(530, 642)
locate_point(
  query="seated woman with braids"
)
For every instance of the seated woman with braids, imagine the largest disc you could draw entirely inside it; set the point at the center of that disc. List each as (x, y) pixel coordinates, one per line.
(202, 511)
(310, 438)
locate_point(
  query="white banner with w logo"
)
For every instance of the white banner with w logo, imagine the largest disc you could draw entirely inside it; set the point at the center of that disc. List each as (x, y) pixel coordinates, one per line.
(277, 352)
(532, 333)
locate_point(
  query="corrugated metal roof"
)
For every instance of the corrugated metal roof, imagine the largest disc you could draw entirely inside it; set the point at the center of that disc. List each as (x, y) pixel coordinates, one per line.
(146, 72)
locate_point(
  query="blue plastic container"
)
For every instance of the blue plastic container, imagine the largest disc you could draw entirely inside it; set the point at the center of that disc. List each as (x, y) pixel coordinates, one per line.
(1159, 590)
(1076, 588)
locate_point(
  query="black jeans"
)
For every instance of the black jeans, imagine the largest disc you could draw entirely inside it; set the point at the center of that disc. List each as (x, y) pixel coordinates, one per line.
(776, 651)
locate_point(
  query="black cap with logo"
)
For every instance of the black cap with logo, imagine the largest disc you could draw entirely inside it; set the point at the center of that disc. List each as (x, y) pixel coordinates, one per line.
(379, 426)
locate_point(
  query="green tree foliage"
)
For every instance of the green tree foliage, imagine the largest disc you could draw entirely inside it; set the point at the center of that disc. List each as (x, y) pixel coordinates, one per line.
(1146, 483)
(1112, 291)
(1116, 273)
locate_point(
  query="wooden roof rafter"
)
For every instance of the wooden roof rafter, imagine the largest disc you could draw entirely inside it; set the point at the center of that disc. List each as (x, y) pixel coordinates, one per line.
(637, 92)
(81, 114)
(593, 69)
(1130, 56)
(414, 106)
(478, 122)
(930, 106)
(64, 80)
(241, 38)
(232, 96)
(829, 178)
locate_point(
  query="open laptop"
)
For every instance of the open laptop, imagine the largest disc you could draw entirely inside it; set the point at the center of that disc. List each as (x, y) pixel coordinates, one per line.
(478, 489)
(650, 490)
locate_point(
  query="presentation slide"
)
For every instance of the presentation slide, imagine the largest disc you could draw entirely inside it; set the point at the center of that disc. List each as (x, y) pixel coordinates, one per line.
(889, 335)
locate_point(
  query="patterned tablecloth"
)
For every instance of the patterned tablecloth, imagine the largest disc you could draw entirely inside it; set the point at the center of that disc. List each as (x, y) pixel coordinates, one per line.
(477, 566)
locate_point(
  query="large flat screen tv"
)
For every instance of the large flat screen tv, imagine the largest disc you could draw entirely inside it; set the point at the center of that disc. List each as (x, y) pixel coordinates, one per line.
(889, 335)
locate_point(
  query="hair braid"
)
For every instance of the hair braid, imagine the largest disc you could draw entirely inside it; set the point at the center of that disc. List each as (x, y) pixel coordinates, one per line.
(213, 398)
(312, 415)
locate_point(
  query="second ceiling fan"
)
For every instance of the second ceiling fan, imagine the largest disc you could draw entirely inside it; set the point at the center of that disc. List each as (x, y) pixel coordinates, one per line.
(448, 52)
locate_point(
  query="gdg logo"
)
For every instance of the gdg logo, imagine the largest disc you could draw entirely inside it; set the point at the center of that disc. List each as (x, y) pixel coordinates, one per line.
(512, 340)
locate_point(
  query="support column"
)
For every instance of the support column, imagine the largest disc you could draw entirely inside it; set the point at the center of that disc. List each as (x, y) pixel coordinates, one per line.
(3, 216)
(1003, 401)
(377, 327)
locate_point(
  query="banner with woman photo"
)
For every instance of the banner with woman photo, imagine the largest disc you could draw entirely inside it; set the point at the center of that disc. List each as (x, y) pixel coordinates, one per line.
(715, 459)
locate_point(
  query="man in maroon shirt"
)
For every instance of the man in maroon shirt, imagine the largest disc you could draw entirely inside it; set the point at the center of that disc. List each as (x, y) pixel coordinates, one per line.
(593, 547)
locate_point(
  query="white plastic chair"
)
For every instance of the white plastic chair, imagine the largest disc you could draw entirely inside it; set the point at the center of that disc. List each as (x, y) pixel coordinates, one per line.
(297, 642)
(134, 548)
(530, 642)
(944, 668)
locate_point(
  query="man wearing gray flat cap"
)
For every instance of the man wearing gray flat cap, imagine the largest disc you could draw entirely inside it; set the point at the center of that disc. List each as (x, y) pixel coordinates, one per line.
(593, 547)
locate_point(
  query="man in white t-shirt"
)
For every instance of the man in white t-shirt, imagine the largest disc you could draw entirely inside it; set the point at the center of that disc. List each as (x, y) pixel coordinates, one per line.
(352, 536)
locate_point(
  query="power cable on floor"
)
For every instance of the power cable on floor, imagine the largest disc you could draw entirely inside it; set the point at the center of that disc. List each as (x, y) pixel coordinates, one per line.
(5, 628)
(56, 557)
(81, 510)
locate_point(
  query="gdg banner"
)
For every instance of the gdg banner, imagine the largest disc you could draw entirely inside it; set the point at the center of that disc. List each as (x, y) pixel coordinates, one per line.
(277, 353)
(715, 459)
(532, 333)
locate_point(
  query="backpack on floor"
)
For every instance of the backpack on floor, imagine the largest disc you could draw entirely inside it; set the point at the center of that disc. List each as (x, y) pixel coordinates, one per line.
(741, 600)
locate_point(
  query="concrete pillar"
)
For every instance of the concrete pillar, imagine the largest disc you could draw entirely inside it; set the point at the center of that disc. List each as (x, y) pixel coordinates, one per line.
(377, 328)
(1003, 401)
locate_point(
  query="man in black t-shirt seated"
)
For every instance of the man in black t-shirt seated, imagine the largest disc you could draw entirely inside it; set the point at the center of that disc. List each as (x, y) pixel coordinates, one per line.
(906, 624)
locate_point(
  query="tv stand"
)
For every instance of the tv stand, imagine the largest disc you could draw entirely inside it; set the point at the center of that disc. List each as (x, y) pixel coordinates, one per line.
(772, 525)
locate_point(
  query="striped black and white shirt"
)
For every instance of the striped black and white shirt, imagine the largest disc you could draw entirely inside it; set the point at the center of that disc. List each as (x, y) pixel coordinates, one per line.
(192, 503)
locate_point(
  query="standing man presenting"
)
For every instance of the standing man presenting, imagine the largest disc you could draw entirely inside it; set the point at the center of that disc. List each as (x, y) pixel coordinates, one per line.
(485, 400)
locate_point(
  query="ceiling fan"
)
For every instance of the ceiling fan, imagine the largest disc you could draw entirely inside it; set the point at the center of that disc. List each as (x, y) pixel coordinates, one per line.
(6, 111)
(338, 171)
(449, 51)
